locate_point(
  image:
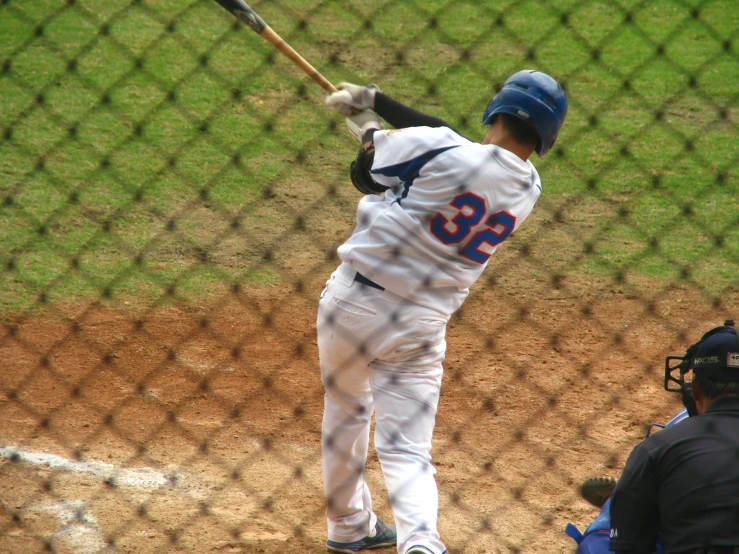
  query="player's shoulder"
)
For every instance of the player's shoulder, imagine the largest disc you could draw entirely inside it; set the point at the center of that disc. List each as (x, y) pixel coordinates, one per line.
(425, 135)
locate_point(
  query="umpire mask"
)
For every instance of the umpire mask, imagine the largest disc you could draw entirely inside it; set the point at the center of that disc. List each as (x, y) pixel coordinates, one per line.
(715, 356)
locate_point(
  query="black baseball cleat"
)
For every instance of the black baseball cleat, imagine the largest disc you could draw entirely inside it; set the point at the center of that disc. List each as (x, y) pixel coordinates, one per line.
(382, 535)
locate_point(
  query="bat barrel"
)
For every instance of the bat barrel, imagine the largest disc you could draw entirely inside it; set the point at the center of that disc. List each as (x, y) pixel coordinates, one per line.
(244, 13)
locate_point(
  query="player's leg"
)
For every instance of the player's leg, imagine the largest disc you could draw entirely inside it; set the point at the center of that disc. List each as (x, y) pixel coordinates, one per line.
(406, 383)
(345, 326)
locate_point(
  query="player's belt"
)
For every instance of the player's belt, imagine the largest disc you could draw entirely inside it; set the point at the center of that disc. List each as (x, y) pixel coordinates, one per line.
(359, 278)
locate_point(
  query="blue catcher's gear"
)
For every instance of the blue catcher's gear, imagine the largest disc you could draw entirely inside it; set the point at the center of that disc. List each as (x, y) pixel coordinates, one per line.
(677, 418)
(536, 98)
(674, 420)
(596, 537)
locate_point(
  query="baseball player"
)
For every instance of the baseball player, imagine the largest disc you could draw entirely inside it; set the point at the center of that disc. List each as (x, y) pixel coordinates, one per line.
(437, 206)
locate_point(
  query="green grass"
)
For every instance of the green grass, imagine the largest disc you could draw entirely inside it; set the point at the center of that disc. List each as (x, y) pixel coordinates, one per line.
(149, 147)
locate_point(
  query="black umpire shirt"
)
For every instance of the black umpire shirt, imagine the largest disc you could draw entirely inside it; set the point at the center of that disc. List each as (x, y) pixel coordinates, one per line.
(682, 483)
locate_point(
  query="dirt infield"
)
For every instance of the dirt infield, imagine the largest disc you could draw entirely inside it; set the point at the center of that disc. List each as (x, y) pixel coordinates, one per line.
(197, 428)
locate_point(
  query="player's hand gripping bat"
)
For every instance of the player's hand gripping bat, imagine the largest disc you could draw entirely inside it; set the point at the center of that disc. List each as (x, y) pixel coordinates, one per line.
(243, 12)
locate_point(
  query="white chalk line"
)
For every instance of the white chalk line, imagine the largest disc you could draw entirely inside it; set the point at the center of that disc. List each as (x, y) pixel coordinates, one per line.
(202, 366)
(79, 528)
(145, 478)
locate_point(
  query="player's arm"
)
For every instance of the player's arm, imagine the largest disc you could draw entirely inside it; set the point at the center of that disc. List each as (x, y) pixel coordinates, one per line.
(401, 116)
(634, 506)
(354, 97)
(364, 125)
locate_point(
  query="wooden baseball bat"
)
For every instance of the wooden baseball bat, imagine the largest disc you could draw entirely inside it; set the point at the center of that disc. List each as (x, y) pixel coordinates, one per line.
(243, 12)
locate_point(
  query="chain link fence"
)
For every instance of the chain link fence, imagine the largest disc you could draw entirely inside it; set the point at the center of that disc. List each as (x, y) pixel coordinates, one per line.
(173, 193)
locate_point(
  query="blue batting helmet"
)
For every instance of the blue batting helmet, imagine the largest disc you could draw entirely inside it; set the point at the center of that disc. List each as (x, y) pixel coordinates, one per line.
(537, 99)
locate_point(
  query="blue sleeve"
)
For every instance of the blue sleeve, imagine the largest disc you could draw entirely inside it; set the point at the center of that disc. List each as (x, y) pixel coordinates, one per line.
(594, 543)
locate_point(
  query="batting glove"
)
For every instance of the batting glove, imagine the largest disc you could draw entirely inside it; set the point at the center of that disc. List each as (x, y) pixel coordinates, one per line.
(362, 122)
(351, 98)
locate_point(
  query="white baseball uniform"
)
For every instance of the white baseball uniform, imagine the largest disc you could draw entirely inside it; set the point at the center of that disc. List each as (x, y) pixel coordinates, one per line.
(423, 243)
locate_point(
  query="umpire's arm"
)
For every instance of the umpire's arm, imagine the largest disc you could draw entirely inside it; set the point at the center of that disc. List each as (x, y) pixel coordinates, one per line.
(634, 506)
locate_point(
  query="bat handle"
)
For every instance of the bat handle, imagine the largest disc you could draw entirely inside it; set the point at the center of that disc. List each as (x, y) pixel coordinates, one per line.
(275, 40)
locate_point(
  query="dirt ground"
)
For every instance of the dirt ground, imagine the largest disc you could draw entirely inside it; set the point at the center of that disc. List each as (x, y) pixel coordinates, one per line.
(196, 428)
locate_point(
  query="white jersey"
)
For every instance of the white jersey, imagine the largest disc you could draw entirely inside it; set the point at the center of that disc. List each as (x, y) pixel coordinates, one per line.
(452, 202)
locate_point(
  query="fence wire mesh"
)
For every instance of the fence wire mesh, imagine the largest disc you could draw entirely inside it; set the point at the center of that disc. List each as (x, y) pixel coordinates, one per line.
(173, 194)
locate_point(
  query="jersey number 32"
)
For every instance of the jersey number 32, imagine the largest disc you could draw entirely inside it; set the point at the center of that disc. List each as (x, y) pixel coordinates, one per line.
(471, 211)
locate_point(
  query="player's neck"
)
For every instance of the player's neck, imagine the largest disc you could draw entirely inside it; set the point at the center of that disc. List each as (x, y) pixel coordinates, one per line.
(498, 136)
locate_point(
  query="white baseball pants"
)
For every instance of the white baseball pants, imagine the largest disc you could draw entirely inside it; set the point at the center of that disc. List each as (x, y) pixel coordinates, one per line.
(379, 353)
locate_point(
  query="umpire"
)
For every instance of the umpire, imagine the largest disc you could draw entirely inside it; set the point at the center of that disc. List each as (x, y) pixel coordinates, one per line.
(682, 484)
